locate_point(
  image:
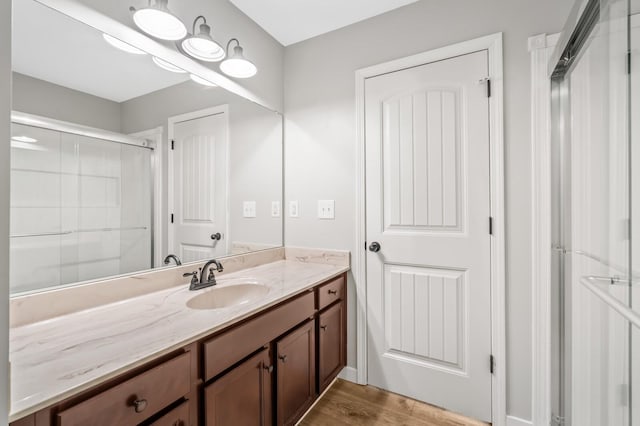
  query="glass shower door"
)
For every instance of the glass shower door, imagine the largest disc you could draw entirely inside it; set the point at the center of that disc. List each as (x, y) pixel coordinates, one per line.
(80, 208)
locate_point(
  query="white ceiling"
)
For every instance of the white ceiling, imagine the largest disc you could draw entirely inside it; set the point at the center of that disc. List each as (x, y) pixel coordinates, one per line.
(50, 46)
(291, 21)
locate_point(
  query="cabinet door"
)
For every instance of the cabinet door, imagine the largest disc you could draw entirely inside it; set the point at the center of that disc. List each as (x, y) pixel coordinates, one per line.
(242, 397)
(331, 344)
(296, 366)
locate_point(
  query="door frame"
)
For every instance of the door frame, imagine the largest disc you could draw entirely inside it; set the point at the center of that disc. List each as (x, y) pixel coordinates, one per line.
(493, 45)
(171, 123)
(154, 137)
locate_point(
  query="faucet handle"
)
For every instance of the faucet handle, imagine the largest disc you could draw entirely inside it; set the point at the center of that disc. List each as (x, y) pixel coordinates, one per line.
(193, 275)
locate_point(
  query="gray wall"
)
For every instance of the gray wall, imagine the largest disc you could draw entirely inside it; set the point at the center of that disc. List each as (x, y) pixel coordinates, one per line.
(255, 152)
(5, 124)
(321, 136)
(51, 100)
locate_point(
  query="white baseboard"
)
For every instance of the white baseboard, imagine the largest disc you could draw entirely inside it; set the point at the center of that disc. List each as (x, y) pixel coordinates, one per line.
(516, 421)
(350, 374)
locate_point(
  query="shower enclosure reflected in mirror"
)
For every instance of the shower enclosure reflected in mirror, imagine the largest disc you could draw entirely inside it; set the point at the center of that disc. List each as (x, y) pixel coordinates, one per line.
(106, 146)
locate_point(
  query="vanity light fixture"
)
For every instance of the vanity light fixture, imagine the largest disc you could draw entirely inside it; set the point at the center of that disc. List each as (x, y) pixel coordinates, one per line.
(202, 81)
(119, 44)
(202, 46)
(167, 66)
(237, 65)
(158, 21)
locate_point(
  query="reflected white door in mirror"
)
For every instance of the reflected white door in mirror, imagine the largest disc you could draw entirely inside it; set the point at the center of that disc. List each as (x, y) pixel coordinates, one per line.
(198, 199)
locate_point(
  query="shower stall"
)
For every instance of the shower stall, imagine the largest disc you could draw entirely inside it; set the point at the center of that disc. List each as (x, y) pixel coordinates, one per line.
(81, 203)
(595, 203)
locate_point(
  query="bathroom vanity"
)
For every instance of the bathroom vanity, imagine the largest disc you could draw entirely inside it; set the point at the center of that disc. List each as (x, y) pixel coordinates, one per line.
(154, 360)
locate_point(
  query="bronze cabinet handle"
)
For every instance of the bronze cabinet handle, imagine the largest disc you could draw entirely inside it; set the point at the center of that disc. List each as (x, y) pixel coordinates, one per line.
(140, 405)
(324, 327)
(269, 368)
(283, 358)
(333, 291)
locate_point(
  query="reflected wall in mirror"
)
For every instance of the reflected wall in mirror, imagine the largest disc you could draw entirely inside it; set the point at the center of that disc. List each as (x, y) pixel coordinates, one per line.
(118, 162)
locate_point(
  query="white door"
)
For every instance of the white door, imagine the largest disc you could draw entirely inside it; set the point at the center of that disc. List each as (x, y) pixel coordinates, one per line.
(428, 207)
(199, 159)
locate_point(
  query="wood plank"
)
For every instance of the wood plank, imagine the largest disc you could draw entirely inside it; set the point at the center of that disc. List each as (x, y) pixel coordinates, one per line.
(347, 403)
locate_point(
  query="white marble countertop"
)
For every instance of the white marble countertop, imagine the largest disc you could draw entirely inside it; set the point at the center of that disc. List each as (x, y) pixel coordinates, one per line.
(54, 359)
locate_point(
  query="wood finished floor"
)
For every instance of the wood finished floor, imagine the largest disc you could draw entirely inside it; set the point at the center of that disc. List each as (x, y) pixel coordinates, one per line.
(346, 403)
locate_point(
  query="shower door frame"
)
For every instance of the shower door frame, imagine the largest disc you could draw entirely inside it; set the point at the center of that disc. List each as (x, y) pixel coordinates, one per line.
(53, 124)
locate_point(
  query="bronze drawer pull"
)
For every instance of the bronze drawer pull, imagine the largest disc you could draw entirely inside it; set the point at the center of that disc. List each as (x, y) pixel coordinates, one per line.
(333, 291)
(140, 405)
(269, 368)
(283, 358)
(324, 327)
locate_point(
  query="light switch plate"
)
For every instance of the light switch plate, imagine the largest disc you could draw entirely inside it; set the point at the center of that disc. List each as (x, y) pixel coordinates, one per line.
(294, 210)
(275, 209)
(249, 209)
(326, 209)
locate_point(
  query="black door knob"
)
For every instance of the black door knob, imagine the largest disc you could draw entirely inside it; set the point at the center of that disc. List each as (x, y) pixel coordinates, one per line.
(374, 247)
(216, 236)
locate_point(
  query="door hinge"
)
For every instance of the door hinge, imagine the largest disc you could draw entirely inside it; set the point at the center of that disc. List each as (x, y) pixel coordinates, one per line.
(365, 246)
(490, 225)
(492, 364)
(173, 144)
(487, 82)
(171, 217)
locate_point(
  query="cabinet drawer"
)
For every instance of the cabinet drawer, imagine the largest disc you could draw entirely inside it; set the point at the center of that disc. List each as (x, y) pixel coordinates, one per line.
(134, 400)
(228, 348)
(179, 416)
(330, 292)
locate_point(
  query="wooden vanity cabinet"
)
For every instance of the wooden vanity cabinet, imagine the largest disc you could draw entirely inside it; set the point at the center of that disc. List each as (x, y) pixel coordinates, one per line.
(267, 369)
(296, 373)
(243, 396)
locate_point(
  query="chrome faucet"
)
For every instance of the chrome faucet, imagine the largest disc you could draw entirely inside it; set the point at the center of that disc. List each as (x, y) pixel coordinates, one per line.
(173, 257)
(197, 284)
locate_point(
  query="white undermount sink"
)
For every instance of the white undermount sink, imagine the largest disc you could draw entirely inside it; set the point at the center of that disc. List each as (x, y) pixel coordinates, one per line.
(227, 296)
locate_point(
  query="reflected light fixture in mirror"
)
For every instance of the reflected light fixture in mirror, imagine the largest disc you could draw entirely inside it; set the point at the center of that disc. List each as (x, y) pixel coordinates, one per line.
(121, 45)
(237, 65)
(202, 46)
(167, 66)
(202, 81)
(158, 21)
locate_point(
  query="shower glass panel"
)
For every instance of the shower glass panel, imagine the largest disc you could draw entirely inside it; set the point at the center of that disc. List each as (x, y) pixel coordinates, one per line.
(595, 203)
(80, 208)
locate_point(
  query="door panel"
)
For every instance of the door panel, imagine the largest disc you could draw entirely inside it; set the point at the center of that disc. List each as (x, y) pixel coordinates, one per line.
(296, 373)
(243, 396)
(200, 187)
(331, 342)
(428, 205)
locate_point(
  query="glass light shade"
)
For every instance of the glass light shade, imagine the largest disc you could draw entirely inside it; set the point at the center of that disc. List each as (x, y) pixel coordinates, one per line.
(125, 47)
(159, 22)
(167, 66)
(203, 47)
(202, 81)
(238, 66)
(24, 139)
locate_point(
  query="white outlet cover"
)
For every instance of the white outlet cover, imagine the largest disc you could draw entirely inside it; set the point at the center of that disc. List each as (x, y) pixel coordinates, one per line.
(326, 209)
(249, 209)
(275, 209)
(294, 210)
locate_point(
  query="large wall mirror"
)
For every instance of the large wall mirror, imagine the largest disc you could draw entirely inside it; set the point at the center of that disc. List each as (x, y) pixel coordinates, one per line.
(120, 159)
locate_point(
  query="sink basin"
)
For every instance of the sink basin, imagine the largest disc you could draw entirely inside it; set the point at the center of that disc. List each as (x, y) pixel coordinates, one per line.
(227, 296)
